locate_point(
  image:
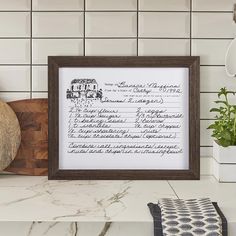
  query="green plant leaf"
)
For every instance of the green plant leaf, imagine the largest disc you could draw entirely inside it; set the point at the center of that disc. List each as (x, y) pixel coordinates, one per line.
(215, 110)
(220, 101)
(224, 128)
(223, 91)
(224, 143)
(226, 135)
(212, 126)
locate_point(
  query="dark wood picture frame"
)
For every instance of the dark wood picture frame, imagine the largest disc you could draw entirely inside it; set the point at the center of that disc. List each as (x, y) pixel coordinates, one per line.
(192, 63)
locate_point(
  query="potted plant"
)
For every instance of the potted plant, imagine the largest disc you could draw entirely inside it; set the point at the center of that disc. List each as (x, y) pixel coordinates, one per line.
(224, 134)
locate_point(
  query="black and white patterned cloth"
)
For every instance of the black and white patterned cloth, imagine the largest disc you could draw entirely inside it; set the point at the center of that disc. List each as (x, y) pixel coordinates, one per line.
(178, 217)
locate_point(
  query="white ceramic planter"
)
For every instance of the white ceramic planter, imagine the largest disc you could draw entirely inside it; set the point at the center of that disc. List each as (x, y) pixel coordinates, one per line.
(224, 163)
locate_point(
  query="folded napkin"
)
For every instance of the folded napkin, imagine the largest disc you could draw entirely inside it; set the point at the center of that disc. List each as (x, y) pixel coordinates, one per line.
(178, 217)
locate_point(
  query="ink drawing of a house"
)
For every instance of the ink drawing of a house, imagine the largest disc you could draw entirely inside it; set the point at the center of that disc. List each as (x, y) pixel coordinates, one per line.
(83, 88)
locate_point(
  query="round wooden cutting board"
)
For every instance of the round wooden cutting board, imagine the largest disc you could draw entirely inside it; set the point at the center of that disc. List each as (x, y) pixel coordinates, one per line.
(32, 156)
(10, 136)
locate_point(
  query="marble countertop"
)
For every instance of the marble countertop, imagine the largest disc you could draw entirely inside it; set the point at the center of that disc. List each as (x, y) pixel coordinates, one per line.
(24, 198)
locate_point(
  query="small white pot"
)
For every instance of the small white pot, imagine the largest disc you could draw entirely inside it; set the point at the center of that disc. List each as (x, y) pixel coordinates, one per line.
(224, 163)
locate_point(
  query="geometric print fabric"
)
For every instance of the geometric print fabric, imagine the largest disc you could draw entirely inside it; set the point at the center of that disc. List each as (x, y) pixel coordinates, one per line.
(189, 217)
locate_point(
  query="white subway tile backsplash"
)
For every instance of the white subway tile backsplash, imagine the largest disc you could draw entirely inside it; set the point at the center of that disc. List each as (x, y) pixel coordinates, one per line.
(18, 24)
(57, 24)
(164, 5)
(14, 51)
(13, 96)
(164, 24)
(206, 166)
(213, 25)
(205, 134)
(115, 28)
(39, 95)
(206, 151)
(111, 5)
(207, 102)
(112, 47)
(39, 78)
(15, 5)
(211, 52)
(111, 24)
(213, 78)
(57, 5)
(14, 78)
(42, 48)
(213, 5)
(164, 47)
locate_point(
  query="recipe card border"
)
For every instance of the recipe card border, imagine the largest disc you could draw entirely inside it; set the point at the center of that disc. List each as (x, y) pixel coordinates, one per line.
(190, 62)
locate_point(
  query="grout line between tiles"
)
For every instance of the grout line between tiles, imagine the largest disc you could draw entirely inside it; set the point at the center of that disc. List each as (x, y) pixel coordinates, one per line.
(209, 92)
(15, 91)
(212, 38)
(109, 37)
(11, 37)
(84, 38)
(56, 38)
(207, 119)
(23, 64)
(23, 91)
(172, 189)
(213, 12)
(137, 28)
(190, 23)
(31, 48)
(213, 65)
(104, 10)
(15, 64)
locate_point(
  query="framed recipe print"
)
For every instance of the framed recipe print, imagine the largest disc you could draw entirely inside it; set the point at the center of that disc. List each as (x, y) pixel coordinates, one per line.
(123, 117)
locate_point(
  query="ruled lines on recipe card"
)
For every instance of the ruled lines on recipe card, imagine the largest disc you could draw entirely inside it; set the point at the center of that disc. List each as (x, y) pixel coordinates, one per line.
(142, 115)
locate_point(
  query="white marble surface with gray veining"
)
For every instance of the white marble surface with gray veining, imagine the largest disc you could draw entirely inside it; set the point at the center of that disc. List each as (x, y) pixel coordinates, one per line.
(25, 198)
(34, 206)
(76, 229)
